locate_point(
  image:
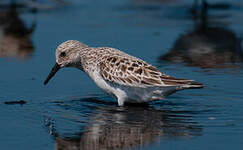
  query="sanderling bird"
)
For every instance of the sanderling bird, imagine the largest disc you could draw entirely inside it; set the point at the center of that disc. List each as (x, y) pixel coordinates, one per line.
(122, 76)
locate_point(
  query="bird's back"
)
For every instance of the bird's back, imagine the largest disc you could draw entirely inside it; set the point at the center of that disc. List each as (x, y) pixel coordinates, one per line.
(123, 69)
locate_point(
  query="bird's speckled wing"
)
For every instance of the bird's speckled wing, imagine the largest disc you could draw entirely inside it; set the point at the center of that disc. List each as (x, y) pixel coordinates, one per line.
(134, 72)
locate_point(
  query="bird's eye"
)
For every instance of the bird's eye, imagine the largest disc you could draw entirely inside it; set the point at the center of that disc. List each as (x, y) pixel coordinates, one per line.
(62, 54)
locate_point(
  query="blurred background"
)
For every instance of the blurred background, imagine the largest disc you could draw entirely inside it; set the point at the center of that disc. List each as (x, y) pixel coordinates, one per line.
(196, 39)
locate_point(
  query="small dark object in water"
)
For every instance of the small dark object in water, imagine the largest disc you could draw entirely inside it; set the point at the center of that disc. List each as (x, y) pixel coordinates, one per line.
(21, 102)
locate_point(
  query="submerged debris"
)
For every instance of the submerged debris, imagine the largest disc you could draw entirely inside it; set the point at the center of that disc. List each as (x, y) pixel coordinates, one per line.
(21, 102)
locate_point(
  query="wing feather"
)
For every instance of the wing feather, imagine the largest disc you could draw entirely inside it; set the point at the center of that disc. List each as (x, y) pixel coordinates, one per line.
(132, 72)
(135, 72)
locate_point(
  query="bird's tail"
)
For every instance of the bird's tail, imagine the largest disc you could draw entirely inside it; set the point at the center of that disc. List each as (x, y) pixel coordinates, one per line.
(191, 85)
(181, 83)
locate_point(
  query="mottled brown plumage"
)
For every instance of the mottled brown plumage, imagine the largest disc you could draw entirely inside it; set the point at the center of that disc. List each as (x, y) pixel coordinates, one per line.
(135, 72)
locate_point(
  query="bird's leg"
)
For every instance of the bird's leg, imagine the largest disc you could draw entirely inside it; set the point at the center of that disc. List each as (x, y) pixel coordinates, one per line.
(121, 96)
(121, 101)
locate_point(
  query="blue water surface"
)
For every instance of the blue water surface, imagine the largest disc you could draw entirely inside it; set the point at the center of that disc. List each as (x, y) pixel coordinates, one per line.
(181, 38)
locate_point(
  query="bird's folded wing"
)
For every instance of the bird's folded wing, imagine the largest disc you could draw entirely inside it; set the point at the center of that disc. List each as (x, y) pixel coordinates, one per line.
(130, 72)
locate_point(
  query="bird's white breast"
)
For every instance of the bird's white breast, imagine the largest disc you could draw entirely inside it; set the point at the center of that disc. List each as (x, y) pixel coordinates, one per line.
(107, 87)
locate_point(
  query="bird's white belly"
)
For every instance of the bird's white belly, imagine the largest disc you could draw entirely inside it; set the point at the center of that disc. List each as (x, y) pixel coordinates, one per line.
(131, 94)
(141, 95)
(107, 87)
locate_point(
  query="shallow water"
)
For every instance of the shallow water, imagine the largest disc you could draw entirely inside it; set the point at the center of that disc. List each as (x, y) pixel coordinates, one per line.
(72, 113)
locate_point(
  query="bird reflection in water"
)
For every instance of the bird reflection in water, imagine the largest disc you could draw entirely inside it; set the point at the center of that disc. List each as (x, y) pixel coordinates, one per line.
(110, 127)
(15, 37)
(209, 45)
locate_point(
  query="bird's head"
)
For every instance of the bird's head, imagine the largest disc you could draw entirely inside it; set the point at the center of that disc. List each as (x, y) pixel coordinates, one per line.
(67, 55)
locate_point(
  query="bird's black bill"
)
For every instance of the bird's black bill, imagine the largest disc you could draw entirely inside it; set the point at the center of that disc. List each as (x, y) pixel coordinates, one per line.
(52, 73)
